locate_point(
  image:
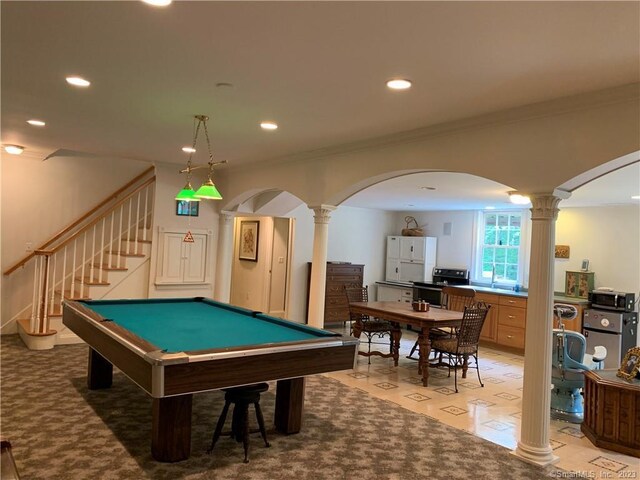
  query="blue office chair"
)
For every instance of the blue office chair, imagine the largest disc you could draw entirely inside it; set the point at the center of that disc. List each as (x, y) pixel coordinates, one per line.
(569, 362)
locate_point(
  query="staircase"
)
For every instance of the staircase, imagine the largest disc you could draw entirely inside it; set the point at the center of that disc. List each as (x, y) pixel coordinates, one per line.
(89, 259)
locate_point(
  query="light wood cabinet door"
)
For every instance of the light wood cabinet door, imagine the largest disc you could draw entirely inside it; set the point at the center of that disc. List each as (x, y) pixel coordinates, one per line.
(491, 322)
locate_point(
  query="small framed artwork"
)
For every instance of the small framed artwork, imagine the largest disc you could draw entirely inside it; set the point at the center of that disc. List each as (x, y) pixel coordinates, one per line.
(249, 234)
(571, 284)
(187, 209)
(630, 365)
(562, 251)
(585, 265)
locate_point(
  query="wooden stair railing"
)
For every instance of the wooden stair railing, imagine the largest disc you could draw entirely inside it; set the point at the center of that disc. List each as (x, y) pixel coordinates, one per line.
(79, 221)
(82, 255)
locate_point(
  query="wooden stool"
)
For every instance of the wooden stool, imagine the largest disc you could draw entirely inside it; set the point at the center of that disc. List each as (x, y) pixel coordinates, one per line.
(241, 397)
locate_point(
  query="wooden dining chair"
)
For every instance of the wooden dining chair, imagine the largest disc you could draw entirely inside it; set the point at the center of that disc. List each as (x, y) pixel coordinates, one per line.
(371, 327)
(464, 343)
(452, 298)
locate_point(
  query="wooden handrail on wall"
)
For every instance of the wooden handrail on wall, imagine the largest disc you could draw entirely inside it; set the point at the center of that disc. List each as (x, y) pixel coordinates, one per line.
(84, 217)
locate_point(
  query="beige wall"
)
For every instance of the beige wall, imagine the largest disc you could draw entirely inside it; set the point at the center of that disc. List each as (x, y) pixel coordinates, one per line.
(609, 237)
(40, 198)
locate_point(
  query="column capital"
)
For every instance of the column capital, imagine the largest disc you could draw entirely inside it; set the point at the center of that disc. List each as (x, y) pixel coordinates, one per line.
(226, 217)
(322, 213)
(544, 206)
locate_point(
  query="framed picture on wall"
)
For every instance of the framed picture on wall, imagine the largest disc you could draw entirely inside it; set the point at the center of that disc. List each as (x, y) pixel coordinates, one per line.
(248, 238)
(187, 209)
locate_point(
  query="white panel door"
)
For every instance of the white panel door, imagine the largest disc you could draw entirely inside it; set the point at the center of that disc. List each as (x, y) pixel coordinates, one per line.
(195, 259)
(393, 247)
(172, 258)
(392, 270)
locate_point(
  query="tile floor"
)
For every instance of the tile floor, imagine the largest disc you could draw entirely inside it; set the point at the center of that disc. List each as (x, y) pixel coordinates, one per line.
(492, 412)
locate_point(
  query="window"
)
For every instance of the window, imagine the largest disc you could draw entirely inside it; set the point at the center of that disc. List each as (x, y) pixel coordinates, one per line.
(500, 253)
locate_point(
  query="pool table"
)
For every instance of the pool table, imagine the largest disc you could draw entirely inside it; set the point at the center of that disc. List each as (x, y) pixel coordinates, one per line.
(173, 348)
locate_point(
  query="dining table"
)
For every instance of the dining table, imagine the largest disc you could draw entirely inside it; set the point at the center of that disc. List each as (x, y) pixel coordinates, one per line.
(402, 314)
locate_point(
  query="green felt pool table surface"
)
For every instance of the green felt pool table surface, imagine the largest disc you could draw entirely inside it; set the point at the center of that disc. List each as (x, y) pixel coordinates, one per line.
(192, 324)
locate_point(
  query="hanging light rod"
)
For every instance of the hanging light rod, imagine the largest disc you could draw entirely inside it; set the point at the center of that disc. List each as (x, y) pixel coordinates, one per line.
(208, 190)
(198, 167)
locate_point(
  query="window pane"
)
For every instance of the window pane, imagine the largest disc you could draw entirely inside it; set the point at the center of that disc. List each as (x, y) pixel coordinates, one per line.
(486, 270)
(503, 220)
(512, 272)
(502, 236)
(490, 236)
(512, 256)
(514, 236)
(499, 270)
(515, 221)
(488, 255)
(501, 255)
(490, 220)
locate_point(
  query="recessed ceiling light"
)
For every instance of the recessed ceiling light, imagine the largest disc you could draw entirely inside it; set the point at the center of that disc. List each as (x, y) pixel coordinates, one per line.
(36, 123)
(489, 208)
(158, 3)
(268, 125)
(427, 188)
(13, 149)
(188, 149)
(399, 84)
(636, 197)
(78, 81)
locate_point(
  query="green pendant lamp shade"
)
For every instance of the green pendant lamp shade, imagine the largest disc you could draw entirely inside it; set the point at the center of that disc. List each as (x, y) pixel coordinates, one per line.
(188, 194)
(208, 191)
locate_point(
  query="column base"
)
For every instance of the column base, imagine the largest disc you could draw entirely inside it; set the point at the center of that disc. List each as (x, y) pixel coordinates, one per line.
(535, 455)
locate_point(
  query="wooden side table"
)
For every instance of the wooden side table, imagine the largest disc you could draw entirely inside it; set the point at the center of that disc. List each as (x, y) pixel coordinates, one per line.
(612, 411)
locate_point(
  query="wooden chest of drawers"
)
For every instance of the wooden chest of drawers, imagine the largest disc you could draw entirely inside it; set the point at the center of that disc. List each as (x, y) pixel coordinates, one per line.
(339, 275)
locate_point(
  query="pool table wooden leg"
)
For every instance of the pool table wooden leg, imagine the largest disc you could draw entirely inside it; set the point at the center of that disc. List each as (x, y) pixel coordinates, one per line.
(289, 405)
(99, 371)
(171, 428)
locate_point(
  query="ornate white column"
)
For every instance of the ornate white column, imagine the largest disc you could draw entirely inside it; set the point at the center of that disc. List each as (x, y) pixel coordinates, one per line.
(536, 395)
(321, 215)
(224, 258)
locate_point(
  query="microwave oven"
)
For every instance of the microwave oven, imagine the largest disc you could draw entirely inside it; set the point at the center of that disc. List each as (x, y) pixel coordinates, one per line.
(610, 300)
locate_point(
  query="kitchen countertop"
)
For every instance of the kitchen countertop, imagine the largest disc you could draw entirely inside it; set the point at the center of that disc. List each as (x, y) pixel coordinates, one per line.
(558, 297)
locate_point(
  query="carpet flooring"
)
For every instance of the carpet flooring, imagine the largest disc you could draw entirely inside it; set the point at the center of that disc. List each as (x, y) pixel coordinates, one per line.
(61, 430)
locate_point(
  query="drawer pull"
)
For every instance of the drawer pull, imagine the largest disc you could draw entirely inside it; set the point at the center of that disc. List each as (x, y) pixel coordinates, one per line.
(511, 316)
(511, 301)
(509, 336)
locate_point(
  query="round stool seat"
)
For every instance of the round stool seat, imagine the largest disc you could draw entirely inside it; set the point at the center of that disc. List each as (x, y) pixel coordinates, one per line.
(246, 393)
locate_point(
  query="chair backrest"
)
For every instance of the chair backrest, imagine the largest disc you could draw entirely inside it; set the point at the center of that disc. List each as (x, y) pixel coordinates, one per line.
(471, 326)
(457, 298)
(569, 350)
(357, 294)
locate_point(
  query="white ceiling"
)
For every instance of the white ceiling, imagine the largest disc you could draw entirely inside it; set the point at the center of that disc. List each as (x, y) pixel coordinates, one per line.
(316, 68)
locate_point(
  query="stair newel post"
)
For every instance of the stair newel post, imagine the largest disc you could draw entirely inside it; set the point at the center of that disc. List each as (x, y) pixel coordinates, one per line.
(64, 275)
(52, 286)
(146, 209)
(36, 288)
(72, 288)
(93, 256)
(113, 220)
(42, 317)
(120, 236)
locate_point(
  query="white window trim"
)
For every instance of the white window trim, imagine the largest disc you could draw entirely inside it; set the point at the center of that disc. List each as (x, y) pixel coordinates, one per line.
(524, 253)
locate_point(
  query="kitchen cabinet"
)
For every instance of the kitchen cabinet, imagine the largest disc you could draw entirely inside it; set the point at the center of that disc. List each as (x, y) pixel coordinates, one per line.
(512, 317)
(392, 293)
(339, 275)
(489, 329)
(410, 259)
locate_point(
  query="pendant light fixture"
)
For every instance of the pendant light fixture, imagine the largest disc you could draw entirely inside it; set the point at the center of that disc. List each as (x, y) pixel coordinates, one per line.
(208, 189)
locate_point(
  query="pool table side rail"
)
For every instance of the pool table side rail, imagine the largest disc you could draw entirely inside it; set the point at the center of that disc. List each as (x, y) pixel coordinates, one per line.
(121, 348)
(196, 377)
